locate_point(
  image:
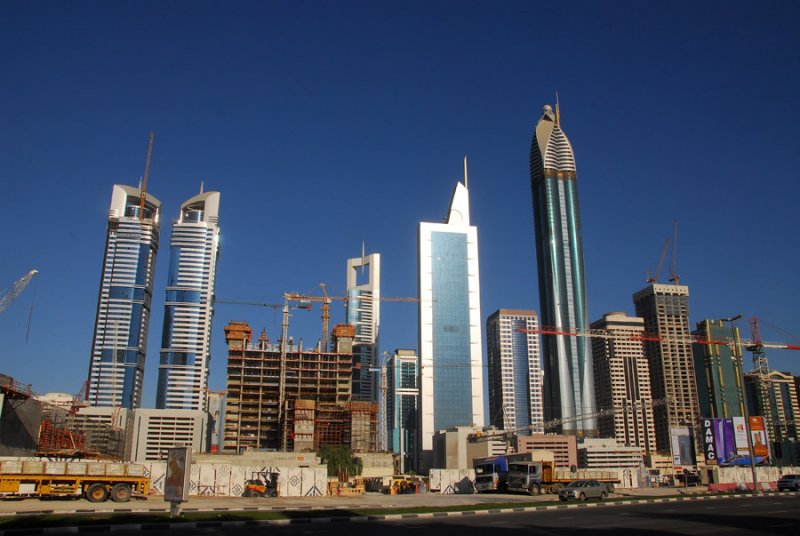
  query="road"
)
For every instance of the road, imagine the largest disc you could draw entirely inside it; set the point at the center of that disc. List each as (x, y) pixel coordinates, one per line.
(767, 514)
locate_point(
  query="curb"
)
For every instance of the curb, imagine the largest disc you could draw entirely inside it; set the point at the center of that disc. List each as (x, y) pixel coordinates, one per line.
(351, 519)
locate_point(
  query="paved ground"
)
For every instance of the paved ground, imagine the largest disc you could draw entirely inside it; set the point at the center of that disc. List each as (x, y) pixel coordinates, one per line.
(368, 500)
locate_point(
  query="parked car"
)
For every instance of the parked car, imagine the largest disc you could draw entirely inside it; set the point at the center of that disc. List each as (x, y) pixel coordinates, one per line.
(789, 483)
(582, 490)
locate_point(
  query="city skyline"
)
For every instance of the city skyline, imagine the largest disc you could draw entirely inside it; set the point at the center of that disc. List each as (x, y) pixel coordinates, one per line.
(666, 127)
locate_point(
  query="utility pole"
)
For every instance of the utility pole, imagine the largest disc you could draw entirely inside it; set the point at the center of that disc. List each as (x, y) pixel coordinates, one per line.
(739, 364)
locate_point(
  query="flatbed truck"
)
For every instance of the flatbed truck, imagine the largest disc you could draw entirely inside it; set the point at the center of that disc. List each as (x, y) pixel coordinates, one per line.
(96, 481)
(537, 477)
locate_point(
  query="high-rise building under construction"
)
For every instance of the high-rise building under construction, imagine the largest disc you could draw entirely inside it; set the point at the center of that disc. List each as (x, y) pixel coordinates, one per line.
(665, 309)
(119, 344)
(568, 375)
(188, 307)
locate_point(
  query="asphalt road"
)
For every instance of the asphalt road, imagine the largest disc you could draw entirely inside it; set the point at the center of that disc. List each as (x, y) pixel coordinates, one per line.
(766, 514)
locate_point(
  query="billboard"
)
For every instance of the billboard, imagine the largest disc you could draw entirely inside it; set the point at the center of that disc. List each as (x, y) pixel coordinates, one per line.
(725, 441)
(681, 447)
(176, 483)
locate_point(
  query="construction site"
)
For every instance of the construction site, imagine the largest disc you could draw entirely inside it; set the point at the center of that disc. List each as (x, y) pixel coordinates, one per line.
(283, 397)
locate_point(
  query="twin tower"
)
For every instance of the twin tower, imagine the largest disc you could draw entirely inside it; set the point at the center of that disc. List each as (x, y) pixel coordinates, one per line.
(116, 370)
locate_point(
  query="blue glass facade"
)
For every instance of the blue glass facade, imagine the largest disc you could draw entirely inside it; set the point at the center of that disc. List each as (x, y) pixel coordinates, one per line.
(451, 334)
(521, 379)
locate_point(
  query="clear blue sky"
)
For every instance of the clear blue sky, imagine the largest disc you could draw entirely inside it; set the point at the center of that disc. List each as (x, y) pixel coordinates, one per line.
(327, 123)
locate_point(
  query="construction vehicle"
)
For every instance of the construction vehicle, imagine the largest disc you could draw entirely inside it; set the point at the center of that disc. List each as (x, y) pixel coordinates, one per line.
(537, 477)
(261, 484)
(95, 481)
(491, 473)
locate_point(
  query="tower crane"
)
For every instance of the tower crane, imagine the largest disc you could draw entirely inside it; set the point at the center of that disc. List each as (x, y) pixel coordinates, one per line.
(19, 285)
(654, 337)
(654, 278)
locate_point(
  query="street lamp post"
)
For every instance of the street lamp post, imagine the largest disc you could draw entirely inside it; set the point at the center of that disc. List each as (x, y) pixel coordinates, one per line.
(739, 366)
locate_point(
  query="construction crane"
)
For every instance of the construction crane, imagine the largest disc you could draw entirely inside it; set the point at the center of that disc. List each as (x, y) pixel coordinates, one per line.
(653, 337)
(19, 285)
(555, 423)
(654, 278)
(673, 270)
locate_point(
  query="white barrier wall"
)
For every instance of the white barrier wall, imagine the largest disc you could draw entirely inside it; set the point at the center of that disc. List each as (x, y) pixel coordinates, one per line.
(228, 480)
(449, 481)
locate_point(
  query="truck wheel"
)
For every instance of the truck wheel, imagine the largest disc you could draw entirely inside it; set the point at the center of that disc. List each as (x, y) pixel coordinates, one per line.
(249, 493)
(121, 493)
(536, 489)
(582, 497)
(96, 493)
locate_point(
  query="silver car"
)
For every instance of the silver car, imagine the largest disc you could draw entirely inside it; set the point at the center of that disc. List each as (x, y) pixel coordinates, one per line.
(582, 490)
(789, 483)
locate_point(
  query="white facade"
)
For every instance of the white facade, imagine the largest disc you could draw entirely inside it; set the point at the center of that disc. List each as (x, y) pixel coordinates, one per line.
(364, 313)
(604, 453)
(515, 371)
(119, 344)
(622, 382)
(188, 308)
(156, 430)
(450, 345)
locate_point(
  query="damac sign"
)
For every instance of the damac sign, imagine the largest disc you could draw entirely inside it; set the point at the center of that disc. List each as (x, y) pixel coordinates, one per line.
(709, 444)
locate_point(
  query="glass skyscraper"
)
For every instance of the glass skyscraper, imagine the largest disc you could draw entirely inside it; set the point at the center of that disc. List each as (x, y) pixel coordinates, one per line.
(568, 375)
(514, 366)
(364, 313)
(451, 373)
(119, 344)
(402, 403)
(188, 308)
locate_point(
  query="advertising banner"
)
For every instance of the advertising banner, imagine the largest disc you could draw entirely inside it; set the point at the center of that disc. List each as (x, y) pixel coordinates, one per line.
(681, 447)
(176, 482)
(725, 441)
(758, 434)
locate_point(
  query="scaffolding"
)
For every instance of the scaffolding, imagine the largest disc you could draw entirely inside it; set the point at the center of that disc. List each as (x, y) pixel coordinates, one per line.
(315, 386)
(63, 434)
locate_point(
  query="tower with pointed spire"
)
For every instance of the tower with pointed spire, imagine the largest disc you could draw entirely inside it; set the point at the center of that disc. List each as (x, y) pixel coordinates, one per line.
(450, 346)
(568, 374)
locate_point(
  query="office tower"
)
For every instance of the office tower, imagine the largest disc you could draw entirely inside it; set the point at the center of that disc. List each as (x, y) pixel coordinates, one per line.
(772, 395)
(622, 382)
(451, 373)
(568, 381)
(364, 313)
(402, 403)
(515, 373)
(665, 309)
(719, 390)
(189, 305)
(123, 307)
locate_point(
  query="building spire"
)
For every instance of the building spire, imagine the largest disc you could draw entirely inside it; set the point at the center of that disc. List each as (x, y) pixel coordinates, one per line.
(466, 176)
(558, 111)
(201, 186)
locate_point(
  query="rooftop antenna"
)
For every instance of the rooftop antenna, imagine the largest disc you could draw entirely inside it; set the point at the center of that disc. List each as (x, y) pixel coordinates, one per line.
(144, 179)
(201, 186)
(363, 256)
(558, 111)
(466, 176)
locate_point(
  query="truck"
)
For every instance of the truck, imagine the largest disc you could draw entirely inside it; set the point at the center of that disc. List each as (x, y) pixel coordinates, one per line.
(537, 477)
(94, 480)
(491, 473)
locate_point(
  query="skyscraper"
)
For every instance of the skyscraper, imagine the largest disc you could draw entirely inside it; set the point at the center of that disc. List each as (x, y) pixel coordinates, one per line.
(119, 344)
(364, 313)
(719, 391)
(451, 374)
(568, 377)
(188, 307)
(514, 368)
(622, 381)
(665, 309)
(402, 403)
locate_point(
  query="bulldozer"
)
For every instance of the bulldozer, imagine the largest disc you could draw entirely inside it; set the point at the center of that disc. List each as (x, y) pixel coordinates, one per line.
(261, 484)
